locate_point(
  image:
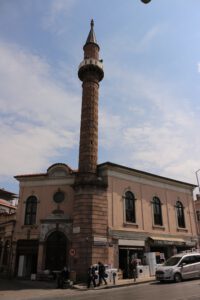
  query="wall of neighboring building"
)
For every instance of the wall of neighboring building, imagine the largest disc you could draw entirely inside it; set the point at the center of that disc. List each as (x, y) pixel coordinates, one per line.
(197, 211)
(7, 224)
(7, 207)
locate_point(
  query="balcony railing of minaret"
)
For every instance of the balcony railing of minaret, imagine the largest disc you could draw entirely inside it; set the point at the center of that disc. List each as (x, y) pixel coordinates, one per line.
(91, 61)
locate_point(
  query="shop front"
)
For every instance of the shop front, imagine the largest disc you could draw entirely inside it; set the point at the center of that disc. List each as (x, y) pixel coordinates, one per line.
(165, 247)
(26, 260)
(129, 250)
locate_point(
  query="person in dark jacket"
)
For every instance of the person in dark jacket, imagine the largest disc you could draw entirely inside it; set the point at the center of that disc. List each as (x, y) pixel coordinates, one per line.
(91, 276)
(101, 273)
(63, 278)
(133, 268)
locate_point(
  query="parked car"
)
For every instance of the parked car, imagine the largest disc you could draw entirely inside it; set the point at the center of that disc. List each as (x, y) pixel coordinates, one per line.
(179, 267)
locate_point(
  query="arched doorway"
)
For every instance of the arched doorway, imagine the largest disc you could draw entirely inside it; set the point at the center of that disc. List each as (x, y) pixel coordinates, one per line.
(56, 250)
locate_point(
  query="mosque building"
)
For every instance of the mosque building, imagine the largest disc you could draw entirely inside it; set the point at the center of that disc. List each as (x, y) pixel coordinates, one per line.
(101, 212)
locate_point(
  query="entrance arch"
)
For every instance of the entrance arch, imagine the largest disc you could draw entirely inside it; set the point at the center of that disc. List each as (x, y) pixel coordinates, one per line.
(56, 251)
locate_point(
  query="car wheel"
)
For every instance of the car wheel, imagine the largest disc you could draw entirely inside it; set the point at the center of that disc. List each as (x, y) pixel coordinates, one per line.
(177, 277)
(162, 281)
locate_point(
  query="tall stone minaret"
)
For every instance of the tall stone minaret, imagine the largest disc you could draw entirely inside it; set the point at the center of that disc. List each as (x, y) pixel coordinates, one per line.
(90, 73)
(90, 207)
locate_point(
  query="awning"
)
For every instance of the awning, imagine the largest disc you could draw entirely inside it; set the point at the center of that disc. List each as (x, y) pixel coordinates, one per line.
(138, 243)
(158, 240)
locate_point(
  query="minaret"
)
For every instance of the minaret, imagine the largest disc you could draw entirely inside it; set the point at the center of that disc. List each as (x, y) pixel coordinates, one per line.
(90, 73)
(90, 205)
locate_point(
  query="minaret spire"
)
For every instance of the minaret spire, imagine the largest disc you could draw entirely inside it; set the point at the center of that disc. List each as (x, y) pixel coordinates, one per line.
(90, 73)
(91, 36)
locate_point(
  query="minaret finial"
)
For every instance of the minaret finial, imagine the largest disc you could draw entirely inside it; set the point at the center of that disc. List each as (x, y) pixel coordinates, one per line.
(92, 23)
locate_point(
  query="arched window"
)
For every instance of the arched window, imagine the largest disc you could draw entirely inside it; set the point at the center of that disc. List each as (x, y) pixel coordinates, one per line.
(157, 211)
(129, 207)
(180, 214)
(30, 212)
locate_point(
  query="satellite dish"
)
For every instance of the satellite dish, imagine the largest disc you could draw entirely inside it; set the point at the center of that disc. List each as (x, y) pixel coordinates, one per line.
(145, 1)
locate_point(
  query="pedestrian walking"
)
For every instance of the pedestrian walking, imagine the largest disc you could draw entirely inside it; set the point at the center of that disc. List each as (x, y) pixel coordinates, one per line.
(102, 274)
(134, 268)
(91, 276)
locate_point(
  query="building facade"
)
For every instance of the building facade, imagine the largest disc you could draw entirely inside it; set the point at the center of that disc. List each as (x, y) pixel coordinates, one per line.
(7, 224)
(197, 211)
(100, 212)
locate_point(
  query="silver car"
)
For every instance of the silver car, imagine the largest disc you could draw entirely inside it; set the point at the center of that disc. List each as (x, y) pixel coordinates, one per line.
(179, 267)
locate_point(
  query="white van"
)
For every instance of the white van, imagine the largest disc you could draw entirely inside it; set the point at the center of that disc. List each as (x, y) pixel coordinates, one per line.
(178, 267)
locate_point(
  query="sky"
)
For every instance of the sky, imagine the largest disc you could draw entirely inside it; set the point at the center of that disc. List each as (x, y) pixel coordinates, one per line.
(149, 108)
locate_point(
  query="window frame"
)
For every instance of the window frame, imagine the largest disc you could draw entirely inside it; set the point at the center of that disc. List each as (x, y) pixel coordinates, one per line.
(30, 210)
(180, 215)
(157, 211)
(129, 209)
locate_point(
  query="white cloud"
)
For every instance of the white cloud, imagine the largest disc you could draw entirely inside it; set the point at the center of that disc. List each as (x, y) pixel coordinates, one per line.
(38, 116)
(158, 127)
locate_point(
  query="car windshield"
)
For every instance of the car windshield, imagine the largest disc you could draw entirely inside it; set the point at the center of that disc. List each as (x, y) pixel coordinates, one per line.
(172, 261)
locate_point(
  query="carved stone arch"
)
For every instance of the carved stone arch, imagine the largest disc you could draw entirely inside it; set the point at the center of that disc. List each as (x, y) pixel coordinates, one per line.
(53, 230)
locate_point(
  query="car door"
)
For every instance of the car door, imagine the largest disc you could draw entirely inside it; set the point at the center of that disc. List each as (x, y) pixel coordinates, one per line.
(188, 267)
(197, 265)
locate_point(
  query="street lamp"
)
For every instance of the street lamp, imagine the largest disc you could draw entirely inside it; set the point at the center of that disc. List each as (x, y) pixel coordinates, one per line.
(197, 179)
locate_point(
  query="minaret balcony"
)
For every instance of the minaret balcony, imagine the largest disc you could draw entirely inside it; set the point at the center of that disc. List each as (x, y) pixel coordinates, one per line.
(91, 61)
(91, 64)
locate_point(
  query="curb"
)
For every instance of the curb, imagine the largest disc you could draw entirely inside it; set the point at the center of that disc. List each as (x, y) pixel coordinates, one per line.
(84, 288)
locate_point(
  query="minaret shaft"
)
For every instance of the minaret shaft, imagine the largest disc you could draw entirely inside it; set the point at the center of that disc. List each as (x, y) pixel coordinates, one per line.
(90, 73)
(88, 151)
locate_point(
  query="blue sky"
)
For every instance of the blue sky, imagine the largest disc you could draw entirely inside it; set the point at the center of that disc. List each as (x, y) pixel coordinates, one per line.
(149, 104)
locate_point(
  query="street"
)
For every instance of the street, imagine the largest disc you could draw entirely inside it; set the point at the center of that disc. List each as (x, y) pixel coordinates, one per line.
(188, 290)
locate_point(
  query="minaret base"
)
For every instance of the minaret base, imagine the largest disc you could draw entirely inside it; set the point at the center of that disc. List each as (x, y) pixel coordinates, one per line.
(90, 228)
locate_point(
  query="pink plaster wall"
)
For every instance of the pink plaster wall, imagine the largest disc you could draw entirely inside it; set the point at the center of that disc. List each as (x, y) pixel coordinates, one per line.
(144, 193)
(45, 206)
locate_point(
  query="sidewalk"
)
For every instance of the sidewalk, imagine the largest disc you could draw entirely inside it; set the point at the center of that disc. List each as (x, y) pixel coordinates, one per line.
(27, 289)
(119, 283)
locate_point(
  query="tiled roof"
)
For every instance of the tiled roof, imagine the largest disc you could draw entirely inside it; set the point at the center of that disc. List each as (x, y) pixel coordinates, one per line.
(7, 204)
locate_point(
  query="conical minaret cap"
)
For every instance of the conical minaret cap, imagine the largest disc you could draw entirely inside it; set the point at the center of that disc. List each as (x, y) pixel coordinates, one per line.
(91, 36)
